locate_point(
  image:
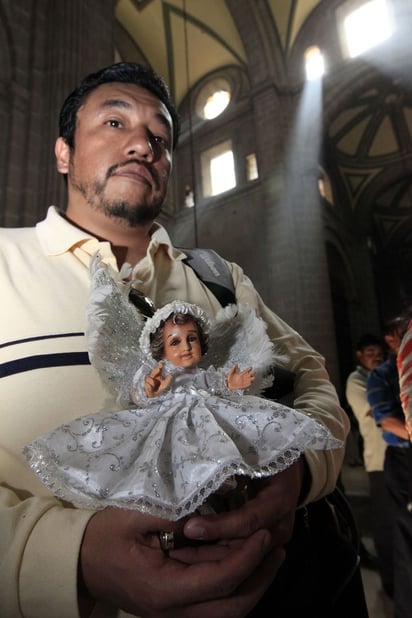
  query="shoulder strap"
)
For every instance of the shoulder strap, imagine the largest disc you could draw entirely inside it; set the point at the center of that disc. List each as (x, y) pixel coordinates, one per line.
(213, 271)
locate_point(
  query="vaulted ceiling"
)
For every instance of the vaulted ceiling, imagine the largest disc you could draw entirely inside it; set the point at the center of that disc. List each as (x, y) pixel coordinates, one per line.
(368, 106)
(184, 40)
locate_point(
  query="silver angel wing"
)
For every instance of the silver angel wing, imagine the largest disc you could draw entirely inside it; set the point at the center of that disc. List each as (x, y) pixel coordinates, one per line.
(238, 335)
(113, 329)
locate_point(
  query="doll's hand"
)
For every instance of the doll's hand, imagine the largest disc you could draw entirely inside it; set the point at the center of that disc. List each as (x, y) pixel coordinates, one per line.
(155, 382)
(239, 379)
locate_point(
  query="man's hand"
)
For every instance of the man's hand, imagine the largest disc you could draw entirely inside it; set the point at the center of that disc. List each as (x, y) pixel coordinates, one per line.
(121, 563)
(272, 508)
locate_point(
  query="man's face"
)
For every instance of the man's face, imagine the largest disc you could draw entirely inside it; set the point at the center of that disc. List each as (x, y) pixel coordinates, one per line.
(121, 161)
(371, 356)
(393, 340)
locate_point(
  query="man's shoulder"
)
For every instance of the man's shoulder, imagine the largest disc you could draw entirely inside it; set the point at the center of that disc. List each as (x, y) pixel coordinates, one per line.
(16, 232)
(357, 376)
(16, 236)
(385, 370)
(358, 372)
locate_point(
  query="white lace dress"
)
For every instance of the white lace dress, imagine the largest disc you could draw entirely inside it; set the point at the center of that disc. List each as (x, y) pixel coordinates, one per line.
(167, 454)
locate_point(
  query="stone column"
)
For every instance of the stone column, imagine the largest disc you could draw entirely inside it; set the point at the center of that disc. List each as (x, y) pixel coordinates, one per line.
(294, 279)
(54, 44)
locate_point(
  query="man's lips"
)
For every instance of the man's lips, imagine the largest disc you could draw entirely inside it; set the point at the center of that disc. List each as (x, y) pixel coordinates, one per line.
(135, 172)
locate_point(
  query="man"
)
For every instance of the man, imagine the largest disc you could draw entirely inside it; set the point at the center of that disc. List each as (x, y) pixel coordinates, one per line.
(369, 353)
(117, 132)
(384, 399)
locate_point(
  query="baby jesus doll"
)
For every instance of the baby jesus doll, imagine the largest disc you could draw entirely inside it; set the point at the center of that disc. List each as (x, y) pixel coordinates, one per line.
(187, 437)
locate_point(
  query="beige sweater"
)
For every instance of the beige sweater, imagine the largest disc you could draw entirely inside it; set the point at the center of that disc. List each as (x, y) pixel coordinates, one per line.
(45, 281)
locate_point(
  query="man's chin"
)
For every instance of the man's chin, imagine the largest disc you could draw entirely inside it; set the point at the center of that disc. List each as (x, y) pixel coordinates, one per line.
(133, 215)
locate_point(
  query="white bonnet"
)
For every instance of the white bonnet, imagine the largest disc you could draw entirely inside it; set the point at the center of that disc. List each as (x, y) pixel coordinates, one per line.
(176, 306)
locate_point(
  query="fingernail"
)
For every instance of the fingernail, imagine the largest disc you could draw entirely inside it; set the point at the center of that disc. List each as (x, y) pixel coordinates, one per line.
(195, 532)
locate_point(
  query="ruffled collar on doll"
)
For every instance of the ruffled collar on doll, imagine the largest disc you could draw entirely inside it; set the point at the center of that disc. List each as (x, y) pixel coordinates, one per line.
(170, 368)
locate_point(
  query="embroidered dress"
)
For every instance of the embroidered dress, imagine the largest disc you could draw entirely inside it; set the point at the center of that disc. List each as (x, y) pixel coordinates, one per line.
(165, 455)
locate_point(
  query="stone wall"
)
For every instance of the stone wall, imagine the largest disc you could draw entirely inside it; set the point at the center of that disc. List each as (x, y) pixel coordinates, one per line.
(46, 47)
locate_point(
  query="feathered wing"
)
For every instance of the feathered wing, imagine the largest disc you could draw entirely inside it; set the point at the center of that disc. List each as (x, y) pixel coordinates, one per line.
(113, 329)
(239, 336)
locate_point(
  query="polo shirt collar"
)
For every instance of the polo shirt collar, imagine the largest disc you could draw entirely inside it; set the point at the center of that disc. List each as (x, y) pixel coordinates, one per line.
(57, 236)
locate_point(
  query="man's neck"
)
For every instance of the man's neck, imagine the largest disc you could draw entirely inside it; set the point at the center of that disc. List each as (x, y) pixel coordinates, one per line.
(128, 244)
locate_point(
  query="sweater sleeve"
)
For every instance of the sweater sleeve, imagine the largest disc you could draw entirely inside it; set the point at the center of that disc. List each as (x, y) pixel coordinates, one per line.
(38, 564)
(314, 393)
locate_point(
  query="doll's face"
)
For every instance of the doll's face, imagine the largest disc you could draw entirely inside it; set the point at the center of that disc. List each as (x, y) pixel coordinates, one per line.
(182, 345)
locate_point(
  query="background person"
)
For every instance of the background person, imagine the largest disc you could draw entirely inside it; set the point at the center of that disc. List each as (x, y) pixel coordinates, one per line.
(369, 354)
(384, 398)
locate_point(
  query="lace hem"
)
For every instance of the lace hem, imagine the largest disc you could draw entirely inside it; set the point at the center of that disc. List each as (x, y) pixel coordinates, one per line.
(44, 468)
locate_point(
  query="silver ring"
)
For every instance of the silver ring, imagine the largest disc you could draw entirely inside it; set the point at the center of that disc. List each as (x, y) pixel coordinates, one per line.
(166, 540)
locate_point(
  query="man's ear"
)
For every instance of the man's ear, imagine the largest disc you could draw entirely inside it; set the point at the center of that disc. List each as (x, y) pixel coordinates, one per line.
(358, 354)
(62, 152)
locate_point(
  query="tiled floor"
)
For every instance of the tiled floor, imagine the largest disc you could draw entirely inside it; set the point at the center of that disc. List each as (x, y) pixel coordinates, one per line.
(355, 482)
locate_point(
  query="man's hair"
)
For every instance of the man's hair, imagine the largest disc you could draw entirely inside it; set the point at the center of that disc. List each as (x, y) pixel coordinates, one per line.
(396, 325)
(123, 72)
(367, 340)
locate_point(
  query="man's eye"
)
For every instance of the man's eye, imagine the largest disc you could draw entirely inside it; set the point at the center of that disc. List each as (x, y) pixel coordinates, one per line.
(192, 338)
(159, 139)
(174, 342)
(113, 123)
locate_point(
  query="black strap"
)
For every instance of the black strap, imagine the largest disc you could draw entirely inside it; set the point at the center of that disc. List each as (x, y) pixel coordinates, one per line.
(212, 270)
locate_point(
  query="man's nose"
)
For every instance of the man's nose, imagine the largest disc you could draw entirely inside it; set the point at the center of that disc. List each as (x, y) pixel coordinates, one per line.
(140, 146)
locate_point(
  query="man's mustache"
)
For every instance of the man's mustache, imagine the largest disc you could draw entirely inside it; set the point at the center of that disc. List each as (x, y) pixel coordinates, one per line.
(152, 171)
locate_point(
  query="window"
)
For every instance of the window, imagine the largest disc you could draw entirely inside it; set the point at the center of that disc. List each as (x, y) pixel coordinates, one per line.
(213, 98)
(218, 169)
(216, 104)
(314, 63)
(325, 187)
(189, 197)
(251, 167)
(364, 25)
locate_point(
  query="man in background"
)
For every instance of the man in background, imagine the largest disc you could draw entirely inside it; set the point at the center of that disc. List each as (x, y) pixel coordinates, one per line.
(384, 399)
(369, 354)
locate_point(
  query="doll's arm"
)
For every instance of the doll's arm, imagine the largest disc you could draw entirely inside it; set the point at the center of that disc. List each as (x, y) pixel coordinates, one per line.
(239, 380)
(156, 382)
(148, 382)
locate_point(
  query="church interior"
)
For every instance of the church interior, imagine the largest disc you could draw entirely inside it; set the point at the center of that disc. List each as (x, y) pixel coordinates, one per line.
(301, 170)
